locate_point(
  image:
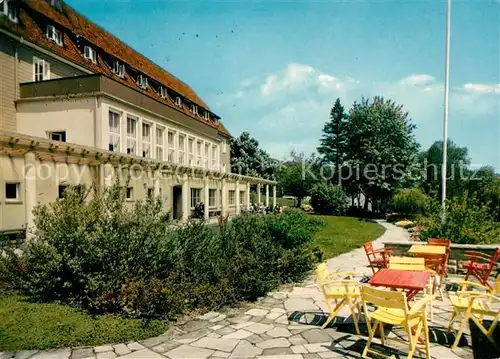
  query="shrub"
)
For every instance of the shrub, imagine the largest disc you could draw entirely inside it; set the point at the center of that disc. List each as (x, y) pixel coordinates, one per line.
(107, 258)
(410, 202)
(467, 222)
(328, 199)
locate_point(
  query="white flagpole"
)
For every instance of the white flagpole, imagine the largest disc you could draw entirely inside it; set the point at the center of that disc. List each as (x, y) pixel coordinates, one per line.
(445, 119)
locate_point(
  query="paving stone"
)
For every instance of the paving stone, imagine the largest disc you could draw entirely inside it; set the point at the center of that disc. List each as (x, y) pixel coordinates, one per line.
(316, 336)
(103, 348)
(240, 334)
(53, 354)
(194, 325)
(286, 356)
(192, 336)
(274, 343)
(25, 354)
(278, 295)
(223, 344)
(311, 356)
(217, 319)
(242, 325)
(106, 355)
(278, 310)
(165, 347)
(245, 350)
(259, 328)
(152, 342)
(187, 351)
(213, 335)
(256, 312)
(6, 355)
(299, 349)
(225, 330)
(331, 354)
(273, 315)
(121, 349)
(297, 339)
(279, 332)
(143, 354)
(219, 354)
(254, 339)
(318, 347)
(276, 351)
(208, 316)
(239, 319)
(443, 352)
(265, 337)
(81, 353)
(282, 320)
(216, 327)
(135, 346)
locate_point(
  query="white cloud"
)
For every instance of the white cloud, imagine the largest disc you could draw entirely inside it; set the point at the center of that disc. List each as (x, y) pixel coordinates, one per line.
(269, 85)
(482, 88)
(417, 79)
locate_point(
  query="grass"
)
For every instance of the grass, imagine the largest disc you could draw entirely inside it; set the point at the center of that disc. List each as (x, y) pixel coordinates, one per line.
(342, 234)
(26, 325)
(280, 201)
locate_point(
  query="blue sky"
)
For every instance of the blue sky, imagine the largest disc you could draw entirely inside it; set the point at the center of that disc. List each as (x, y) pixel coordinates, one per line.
(275, 68)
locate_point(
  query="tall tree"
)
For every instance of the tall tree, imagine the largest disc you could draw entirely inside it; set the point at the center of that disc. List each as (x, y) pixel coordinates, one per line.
(248, 159)
(381, 148)
(297, 176)
(333, 142)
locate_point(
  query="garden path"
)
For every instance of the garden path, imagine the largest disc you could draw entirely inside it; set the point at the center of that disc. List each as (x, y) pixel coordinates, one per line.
(283, 325)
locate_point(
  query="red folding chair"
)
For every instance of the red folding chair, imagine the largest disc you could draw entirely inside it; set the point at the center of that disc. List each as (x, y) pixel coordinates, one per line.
(445, 243)
(480, 265)
(377, 258)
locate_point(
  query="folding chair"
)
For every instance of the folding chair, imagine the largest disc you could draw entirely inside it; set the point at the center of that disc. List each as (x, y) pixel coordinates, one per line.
(476, 305)
(480, 265)
(341, 288)
(377, 258)
(444, 243)
(393, 309)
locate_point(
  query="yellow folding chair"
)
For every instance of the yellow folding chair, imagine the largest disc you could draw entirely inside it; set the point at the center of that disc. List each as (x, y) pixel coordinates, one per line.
(341, 288)
(476, 305)
(393, 309)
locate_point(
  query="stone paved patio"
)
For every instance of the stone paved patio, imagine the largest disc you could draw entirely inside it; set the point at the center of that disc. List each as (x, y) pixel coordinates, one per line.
(284, 324)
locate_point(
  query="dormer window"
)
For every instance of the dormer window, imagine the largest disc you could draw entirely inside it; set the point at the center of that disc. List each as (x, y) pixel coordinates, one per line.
(119, 69)
(90, 54)
(206, 115)
(162, 92)
(178, 101)
(194, 109)
(8, 8)
(54, 35)
(142, 82)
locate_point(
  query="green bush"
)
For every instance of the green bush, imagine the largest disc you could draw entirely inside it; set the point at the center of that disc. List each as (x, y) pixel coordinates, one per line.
(467, 222)
(108, 258)
(410, 202)
(328, 199)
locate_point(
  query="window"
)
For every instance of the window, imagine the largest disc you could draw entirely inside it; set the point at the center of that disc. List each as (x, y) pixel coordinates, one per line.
(207, 155)
(12, 192)
(9, 8)
(214, 157)
(60, 191)
(171, 146)
(211, 197)
(195, 196)
(182, 149)
(90, 54)
(191, 151)
(129, 193)
(194, 109)
(224, 170)
(206, 115)
(242, 197)
(160, 143)
(54, 35)
(131, 136)
(178, 101)
(41, 70)
(80, 190)
(146, 140)
(150, 192)
(114, 131)
(224, 145)
(142, 82)
(119, 69)
(57, 136)
(199, 158)
(232, 199)
(162, 92)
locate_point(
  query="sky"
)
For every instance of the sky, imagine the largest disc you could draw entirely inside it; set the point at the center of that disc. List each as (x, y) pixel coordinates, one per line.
(275, 68)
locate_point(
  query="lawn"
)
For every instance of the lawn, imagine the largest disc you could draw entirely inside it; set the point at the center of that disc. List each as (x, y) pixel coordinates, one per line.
(342, 234)
(25, 325)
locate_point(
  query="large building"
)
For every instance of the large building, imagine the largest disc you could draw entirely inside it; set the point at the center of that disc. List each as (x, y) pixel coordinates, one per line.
(80, 107)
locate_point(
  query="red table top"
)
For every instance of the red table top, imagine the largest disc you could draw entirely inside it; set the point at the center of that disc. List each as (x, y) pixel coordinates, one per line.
(401, 279)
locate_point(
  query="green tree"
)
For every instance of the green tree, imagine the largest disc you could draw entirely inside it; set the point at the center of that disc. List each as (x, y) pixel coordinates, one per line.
(297, 176)
(333, 142)
(248, 159)
(381, 148)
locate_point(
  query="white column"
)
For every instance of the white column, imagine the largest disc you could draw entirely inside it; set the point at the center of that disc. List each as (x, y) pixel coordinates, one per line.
(185, 198)
(223, 198)
(274, 195)
(237, 197)
(267, 195)
(30, 192)
(206, 198)
(248, 195)
(258, 193)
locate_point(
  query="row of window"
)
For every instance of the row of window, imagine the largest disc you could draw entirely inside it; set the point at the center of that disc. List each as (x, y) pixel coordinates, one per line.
(9, 9)
(196, 197)
(168, 145)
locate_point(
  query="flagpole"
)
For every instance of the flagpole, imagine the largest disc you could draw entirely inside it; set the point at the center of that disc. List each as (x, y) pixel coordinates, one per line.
(445, 119)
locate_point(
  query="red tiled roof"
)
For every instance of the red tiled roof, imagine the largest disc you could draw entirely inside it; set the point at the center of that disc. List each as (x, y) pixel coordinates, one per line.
(77, 24)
